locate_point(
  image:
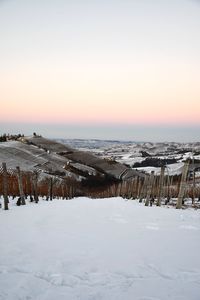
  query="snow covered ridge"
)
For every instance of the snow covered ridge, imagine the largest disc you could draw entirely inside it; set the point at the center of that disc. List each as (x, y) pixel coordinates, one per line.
(143, 156)
(38, 153)
(103, 249)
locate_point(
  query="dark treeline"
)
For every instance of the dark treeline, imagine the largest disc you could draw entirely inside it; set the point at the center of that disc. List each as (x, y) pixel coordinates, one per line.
(7, 137)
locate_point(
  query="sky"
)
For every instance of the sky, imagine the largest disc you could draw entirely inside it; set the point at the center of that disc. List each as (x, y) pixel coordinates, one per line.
(101, 69)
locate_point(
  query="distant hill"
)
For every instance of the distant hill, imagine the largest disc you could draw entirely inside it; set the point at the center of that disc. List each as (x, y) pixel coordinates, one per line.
(36, 153)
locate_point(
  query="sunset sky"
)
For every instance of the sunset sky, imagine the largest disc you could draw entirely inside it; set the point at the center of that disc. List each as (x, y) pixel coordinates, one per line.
(123, 69)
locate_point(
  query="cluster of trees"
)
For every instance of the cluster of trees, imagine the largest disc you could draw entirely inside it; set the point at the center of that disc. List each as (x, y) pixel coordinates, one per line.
(5, 137)
(154, 162)
(36, 135)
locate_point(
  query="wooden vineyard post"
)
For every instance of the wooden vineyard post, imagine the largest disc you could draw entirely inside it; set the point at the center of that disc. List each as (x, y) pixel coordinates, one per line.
(128, 189)
(149, 188)
(67, 189)
(5, 186)
(63, 190)
(72, 191)
(132, 188)
(182, 185)
(136, 185)
(143, 190)
(21, 191)
(120, 189)
(124, 187)
(193, 187)
(35, 187)
(161, 183)
(110, 191)
(28, 184)
(115, 190)
(50, 189)
(193, 181)
(169, 189)
(139, 187)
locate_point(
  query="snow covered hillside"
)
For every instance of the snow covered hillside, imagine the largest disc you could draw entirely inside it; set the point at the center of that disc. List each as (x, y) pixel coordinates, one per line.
(108, 249)
(143, 156)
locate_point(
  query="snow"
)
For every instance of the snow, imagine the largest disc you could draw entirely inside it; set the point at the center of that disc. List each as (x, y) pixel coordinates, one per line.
(172, 169)
(130, 153)
(106, 249)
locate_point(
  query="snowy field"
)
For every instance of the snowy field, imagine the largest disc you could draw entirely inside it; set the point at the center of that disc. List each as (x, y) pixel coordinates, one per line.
(109, 249)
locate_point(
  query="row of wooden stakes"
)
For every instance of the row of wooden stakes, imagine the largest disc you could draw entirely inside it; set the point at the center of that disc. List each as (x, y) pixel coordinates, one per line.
(149, 189)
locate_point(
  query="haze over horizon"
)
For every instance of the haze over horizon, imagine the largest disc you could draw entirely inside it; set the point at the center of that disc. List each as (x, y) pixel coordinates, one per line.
(127, 70)
(137, 133)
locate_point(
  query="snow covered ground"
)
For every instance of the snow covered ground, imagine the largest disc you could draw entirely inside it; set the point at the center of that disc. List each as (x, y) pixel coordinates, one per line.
(108, 249)
(172, 169)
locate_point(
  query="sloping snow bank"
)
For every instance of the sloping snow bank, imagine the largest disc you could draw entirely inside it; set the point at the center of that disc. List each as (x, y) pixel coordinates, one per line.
(109, 249)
